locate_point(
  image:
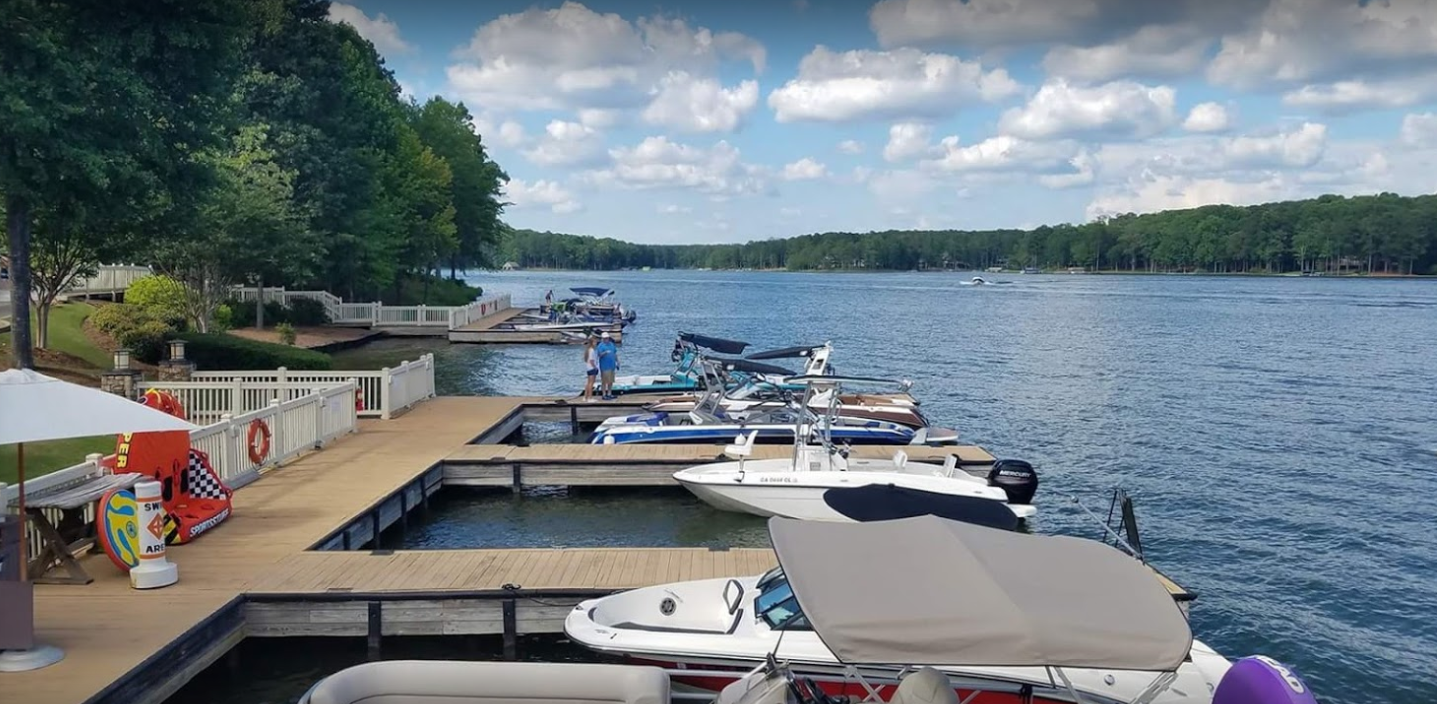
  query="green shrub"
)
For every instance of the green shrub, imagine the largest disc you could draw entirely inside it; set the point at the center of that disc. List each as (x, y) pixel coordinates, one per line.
(286, 333)
(137, 329)
(223, 352)
(306, 312)
(439, 292)
(242, 313)
(224, 317)
(161, 296)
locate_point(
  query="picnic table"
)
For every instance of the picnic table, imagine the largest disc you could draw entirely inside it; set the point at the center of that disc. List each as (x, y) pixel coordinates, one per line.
(75, 530)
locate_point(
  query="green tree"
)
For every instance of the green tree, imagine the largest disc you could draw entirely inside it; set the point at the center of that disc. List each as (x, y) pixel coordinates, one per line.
(105, 104)
(448, 129)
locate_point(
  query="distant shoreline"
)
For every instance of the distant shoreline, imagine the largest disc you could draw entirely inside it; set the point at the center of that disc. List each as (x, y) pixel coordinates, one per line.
(1006, 272)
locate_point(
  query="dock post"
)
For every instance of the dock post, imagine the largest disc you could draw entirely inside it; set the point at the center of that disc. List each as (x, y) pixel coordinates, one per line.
(573, 420)
(518, 479)
(376, 630)
(511, 631)
(374, 528)
(404, 506)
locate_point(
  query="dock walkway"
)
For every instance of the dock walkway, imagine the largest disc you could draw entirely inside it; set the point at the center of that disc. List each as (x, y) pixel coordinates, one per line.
(109, 631)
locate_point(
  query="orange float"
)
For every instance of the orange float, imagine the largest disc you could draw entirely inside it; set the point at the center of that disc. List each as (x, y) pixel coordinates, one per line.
(258, 441)
(194, 496)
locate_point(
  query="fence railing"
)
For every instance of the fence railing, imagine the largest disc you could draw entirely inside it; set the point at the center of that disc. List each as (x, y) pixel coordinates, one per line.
(382, 393)
(109, 278)
(378, 314)
(296, 425)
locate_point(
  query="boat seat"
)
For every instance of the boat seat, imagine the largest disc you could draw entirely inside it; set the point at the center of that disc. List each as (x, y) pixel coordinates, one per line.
(451, 682)
(925, 686)
(758, 688)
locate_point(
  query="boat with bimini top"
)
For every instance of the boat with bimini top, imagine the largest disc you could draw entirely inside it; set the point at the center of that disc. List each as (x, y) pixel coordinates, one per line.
(926, 609)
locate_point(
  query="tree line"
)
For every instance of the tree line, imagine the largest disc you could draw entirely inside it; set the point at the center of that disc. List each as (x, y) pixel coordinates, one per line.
(227, 142)
(1384, 233)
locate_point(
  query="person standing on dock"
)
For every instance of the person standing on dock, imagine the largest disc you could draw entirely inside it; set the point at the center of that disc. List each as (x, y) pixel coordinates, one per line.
(591, 361)
(608, 355)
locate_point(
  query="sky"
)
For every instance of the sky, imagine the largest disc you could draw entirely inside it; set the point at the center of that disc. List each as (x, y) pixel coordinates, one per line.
(706, 122)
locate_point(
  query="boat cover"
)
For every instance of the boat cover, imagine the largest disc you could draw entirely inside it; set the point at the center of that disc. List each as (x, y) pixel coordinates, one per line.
(751, 367)
(939, 592)
(716, 344)
(597, 291)
(785, 353)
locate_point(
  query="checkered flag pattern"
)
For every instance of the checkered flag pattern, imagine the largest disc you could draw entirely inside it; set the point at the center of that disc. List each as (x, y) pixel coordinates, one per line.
(202, 480)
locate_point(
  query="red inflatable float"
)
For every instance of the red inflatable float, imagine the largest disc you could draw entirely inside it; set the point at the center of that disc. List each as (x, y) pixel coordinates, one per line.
(195, 498)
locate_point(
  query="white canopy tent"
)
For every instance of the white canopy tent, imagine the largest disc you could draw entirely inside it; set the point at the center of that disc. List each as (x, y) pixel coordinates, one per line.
(35, 408)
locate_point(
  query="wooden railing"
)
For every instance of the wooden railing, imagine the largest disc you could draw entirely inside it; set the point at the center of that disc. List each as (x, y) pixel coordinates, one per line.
(382, 393)
(297, 425)
(379, 315)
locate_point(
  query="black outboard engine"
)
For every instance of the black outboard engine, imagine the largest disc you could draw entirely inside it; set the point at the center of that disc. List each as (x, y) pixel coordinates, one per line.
(1016, 478)
(678, 352)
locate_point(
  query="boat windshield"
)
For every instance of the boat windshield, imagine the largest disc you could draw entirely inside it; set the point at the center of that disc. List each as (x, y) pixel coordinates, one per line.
(776, 604)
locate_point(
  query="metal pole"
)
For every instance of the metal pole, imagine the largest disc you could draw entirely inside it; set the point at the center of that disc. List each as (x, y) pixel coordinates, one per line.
(24, 517)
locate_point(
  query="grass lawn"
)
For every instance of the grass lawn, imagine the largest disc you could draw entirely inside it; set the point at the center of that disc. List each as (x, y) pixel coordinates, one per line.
(45, 457)
(67, 337)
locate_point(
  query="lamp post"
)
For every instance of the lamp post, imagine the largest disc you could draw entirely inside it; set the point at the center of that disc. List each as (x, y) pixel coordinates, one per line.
(122, 380)
(177, 368)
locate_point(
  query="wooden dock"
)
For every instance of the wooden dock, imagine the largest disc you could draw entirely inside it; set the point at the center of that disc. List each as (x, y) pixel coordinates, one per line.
(138, 647)
(483, 331)
(287, 562)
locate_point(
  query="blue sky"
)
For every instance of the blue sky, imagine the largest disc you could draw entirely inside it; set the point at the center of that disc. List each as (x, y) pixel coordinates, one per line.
(725, 122)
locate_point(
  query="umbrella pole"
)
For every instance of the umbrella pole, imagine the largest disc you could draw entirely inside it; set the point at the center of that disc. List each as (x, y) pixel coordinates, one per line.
(24, 517)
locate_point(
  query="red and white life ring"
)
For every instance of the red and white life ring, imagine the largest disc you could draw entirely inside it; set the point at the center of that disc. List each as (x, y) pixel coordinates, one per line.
(258, 441)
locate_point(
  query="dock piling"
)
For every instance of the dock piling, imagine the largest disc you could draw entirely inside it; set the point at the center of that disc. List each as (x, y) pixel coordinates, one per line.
(376, 629)
(511, 630)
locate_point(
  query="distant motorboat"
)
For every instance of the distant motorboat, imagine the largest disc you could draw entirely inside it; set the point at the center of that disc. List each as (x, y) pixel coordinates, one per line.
(978, 281)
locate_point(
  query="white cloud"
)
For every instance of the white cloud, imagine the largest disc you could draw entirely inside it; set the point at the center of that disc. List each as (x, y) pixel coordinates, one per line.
(689, 103)
(1120, 108)
(1152, 51)
(572, 58)
(850, 146)
(658, 162)
(1207, 117)
(1300, 147)
(1342, 97)
(511, 134)
(804, 169)
(904, 83)
(599, 118)
(566, 144)
(1081, 175)
(382, 32)
(1314, 40)
(540, 193)
(790, 212)
(1419, 130)
(671, 209)
(1151, 192)
(977, 22)
(1004, 153)
(907, 140)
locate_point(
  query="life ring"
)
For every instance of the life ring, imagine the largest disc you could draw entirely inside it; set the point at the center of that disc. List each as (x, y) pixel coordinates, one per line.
(258, 450)
(358, 398)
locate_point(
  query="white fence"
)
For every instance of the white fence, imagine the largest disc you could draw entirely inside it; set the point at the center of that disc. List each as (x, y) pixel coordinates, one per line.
(380, 315)
(110, 278)
(382, 393)
(305, 422)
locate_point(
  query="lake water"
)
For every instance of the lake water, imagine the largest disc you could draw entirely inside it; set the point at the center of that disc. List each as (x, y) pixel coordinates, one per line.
(1279, 435)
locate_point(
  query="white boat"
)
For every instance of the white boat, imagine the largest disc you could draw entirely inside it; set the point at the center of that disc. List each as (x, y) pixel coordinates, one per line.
(825, 482)
(458, 682)
(992, 616)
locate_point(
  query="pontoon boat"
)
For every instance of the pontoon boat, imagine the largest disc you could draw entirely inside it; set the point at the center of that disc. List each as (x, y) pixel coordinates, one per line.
(959, 612)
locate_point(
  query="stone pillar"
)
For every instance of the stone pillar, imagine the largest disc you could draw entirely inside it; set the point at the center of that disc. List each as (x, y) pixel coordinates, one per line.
(122, 380)
(176, 368)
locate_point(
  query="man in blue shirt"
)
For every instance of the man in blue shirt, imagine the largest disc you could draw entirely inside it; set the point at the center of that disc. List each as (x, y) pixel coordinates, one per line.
(608, 362)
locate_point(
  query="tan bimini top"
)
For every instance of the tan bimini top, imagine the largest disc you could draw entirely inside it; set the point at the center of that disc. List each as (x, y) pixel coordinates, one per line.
(930, 591)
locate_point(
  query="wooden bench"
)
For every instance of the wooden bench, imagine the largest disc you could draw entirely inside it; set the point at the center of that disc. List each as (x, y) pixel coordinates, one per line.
(71, 500)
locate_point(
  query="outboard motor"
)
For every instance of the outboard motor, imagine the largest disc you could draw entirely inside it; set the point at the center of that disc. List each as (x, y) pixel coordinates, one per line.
(1016, 478)
(678, 352)
(1261, 680)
